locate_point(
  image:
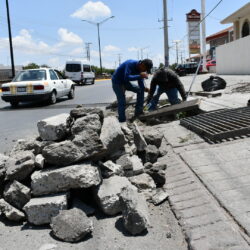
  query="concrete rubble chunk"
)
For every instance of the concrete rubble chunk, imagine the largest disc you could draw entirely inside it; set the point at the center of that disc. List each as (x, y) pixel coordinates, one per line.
(134, 211)
(39, 211)
(39, 161)
(88, 210)
(151, 154)
(89, 143)
(71, 225)
(137, 165)
(62, 179)
(125, 162)
(159, 196)
(20, 165)
(108, 193)
(10, 212)
(163, 149)
(16, 194)
(157, 172)
(89, 122)
(26, 145)
(53, 128)
(82, 111)
(109, 168)
(3, 160)
(111, 134)
(138, 138)
(128, 133)
(143, 182)
(62, 153)
(153, 136)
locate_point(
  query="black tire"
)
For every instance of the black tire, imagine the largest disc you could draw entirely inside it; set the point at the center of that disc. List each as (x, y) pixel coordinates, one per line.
(52, 98)
(14, 104)
(71, 94)
(93, 81)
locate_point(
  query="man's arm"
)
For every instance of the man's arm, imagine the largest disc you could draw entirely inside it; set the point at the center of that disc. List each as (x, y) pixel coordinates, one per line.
(127, 74)
(179, 85)
(152, 89)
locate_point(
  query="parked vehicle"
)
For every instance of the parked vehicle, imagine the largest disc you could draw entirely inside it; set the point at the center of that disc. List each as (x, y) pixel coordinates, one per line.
(186, 68)
(210, 63)
(79, 72)
(37, 84)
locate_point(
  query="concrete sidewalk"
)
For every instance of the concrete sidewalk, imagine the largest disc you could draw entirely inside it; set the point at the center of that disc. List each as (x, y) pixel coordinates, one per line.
(209, 184)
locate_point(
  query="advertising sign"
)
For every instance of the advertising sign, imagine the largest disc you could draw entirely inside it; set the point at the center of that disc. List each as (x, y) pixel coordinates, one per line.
(193, 20)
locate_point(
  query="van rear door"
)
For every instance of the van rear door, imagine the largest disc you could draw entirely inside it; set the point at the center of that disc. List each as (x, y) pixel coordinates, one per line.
(74, 71)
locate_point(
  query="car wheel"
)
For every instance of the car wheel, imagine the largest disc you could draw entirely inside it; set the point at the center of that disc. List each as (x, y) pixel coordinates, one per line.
(14, 104)
(93, 81)
(52, 98)
(71, 94)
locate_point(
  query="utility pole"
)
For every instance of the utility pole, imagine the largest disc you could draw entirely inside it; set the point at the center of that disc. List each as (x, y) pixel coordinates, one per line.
(204, 51)
(165, 21)
(87, 48)
(177, 50)
(142, 51)
(98, 33)
(10, 40)
(119, 59)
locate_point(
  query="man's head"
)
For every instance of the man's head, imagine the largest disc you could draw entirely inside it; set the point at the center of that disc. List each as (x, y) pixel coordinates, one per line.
(145, 65)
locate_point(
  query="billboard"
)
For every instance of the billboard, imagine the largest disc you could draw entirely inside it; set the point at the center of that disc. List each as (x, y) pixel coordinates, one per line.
(193, 21)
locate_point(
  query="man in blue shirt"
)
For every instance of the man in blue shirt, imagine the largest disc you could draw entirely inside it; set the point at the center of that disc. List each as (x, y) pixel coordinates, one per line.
(130, 70)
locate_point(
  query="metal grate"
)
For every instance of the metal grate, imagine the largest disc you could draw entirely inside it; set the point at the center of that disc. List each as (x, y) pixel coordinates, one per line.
(219, 125)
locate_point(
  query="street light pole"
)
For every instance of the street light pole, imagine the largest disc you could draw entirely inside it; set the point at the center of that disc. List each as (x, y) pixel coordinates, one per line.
(98, 33)
(10, 40)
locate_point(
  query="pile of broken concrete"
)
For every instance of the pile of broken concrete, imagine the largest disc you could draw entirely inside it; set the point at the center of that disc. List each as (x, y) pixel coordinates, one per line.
(121, 168)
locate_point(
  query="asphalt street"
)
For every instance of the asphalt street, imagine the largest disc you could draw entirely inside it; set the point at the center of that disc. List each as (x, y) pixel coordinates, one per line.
(17, 123)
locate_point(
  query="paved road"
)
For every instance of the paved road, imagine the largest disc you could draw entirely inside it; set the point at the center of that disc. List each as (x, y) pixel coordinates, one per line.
(21, 122)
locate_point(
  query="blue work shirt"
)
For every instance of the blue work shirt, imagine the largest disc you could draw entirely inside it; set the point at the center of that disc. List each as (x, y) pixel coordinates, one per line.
(126, 72)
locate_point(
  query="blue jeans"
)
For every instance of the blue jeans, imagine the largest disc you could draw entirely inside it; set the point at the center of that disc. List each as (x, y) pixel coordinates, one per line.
(119, 89)
(172, 97)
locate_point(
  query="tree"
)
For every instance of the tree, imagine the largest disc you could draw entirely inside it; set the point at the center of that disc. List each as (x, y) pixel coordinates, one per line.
(161, 65)
(31, 66)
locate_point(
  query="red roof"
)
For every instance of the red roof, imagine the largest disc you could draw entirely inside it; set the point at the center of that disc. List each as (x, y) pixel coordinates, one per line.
(219, 34)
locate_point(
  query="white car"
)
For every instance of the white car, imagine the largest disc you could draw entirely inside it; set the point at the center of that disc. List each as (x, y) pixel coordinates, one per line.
(37, 84)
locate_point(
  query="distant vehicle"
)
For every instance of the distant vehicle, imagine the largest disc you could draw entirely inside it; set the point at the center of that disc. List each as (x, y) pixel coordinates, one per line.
(186, 68)
(210, 63)
(79, 72)
(37, 84)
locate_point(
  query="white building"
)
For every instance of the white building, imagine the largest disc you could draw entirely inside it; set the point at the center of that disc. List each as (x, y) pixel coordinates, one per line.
(234, 58)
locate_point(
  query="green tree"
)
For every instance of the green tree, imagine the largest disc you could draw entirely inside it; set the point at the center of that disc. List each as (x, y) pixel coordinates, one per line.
(161, 65)
(31, 66)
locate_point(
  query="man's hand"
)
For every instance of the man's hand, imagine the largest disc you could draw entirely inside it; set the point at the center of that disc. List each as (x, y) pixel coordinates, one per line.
(144, 75)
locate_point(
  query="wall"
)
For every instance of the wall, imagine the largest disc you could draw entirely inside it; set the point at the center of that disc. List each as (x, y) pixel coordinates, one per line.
(234, 58)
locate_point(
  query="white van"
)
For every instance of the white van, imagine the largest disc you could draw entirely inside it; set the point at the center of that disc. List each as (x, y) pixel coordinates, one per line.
(80, 72)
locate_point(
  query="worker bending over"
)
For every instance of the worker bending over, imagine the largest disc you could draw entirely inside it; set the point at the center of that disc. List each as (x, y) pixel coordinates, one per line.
(165, 81)
(130, 70)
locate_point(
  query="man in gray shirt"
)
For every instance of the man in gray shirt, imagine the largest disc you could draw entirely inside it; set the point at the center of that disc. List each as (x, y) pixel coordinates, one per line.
(165, 81)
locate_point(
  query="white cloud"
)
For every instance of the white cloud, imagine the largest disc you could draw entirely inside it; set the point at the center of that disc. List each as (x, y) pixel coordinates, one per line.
(77, 52)
(132, 49)
(68, 37)
(92, 10)
(111, 48)
(24, 42)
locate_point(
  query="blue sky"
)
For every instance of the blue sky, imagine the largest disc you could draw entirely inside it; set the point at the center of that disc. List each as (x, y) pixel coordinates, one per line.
(51, 31)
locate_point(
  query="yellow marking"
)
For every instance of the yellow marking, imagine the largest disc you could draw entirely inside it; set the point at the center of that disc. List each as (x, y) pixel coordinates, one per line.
(29, 88)
(12, 89)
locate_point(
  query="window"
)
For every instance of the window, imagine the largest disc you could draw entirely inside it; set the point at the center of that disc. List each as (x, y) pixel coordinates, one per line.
(86, 68)
(53, 75)
(73, 67)
(30, 75)
(60, 76)
(245, 29)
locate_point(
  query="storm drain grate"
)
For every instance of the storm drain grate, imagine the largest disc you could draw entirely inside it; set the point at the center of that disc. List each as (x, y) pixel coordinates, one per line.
(219, 125)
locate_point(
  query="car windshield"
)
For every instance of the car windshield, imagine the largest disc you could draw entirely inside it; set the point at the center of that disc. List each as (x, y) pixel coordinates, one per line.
(73, 67)
(30, 75)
